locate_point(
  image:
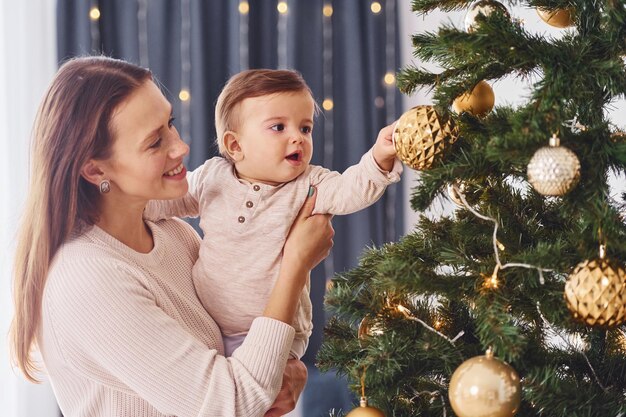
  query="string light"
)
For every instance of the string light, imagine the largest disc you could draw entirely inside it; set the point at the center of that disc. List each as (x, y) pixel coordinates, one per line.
(283, 36)
(184, 95)
(142, 29)
(185, 74)
(282, 7)
(376, 7)
(94, 29)
(497, 246)
(390, 78)
(244, 7)
(407, 314)
(379, 102)
(94, 13)
(390, 107)
(327, 105)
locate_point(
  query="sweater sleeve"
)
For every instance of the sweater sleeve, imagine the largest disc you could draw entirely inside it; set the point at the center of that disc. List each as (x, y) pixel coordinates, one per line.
(187, 206)
(108, 327)
(359, 186)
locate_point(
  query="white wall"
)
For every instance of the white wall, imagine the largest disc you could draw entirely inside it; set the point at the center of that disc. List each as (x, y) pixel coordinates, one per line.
(27, 63)
(507, 91)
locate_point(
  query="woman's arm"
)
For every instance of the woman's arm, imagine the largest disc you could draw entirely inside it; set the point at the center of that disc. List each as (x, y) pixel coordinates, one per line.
(309, 241)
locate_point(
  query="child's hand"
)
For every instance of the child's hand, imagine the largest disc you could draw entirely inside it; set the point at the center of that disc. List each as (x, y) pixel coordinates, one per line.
(384, 151)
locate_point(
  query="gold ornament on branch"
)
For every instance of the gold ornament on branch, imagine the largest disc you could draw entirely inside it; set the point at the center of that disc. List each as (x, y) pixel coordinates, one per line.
(421, 136)
(595, 292)
(478, 102)
(484, 7)
(364, 410)
(484, 386)
(553, 170)
(560, 18)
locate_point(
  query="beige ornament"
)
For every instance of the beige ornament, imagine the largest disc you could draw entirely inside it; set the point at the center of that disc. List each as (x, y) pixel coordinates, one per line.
(363, 410)
(484, 7)
(560, 18)
(595, 292)
(484, 386)
(421, 136)
(478, 102)
(553, 170)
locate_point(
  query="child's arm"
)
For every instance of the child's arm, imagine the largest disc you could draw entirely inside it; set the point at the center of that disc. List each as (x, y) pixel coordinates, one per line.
(187, 206)
(361, 185)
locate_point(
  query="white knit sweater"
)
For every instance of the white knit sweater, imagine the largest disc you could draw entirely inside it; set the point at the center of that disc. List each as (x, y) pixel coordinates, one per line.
(124, 334)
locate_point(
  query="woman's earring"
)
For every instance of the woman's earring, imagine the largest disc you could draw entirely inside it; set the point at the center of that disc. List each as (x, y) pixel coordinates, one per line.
(105, 186)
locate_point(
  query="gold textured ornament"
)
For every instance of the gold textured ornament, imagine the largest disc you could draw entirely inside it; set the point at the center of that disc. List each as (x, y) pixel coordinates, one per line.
(595, 292)
(553, 170)
(560, 18)
(484, 386)
(364, 410)
(478, 102)
(484, 7)
(421, 136)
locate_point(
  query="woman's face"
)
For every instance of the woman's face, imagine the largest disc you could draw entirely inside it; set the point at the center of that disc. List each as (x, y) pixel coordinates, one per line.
(147, 158)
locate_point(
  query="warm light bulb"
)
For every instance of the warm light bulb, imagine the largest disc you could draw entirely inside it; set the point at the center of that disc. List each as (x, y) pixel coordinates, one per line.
(94, 13)
(328, 104)
(244, 7)
(390, 78)
(327, 10)
(437, 324)
(282, 7)
(184, 95)
(376, 7)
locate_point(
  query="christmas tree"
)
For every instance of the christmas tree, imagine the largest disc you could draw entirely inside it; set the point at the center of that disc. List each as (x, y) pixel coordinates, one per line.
(514, 304)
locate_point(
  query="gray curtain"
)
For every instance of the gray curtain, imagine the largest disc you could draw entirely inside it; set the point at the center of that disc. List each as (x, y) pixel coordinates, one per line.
(154, 32)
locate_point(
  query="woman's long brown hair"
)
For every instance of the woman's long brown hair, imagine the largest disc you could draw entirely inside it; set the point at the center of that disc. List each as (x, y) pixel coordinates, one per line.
(72, 126)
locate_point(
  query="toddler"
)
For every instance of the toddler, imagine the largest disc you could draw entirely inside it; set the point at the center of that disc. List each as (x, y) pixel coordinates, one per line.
(264, 123)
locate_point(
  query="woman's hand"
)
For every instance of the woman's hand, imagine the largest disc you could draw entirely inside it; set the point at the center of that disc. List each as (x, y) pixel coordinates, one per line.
(311, 236)
(294, 380)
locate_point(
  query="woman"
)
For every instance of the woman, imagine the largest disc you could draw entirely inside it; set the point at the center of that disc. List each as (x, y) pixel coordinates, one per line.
(106, 296)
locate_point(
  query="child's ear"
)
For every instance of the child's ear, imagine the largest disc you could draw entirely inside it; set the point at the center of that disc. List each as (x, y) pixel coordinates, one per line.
(231, 144)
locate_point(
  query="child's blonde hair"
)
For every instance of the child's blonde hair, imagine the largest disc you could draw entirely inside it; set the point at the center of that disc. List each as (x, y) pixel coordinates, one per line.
(252, 83)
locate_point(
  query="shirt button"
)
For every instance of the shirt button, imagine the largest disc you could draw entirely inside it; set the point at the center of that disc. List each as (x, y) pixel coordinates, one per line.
(249, 204)
(256, 188)
(241, 219)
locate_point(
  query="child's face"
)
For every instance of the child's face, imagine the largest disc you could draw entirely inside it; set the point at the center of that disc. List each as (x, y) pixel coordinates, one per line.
(275, 136)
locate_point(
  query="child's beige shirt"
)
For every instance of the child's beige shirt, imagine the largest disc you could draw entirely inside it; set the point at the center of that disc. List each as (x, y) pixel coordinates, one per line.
(245, 226)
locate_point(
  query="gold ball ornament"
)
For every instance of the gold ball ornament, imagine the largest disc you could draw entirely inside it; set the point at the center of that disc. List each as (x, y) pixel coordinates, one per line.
(595, 293)
(553, 170)
(484, 386)
(484, 7)
(560, 18)
(478, 102)
(421, 136)
(365, 411)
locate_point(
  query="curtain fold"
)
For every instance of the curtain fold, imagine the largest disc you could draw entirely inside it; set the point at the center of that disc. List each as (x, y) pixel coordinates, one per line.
(343, 57)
